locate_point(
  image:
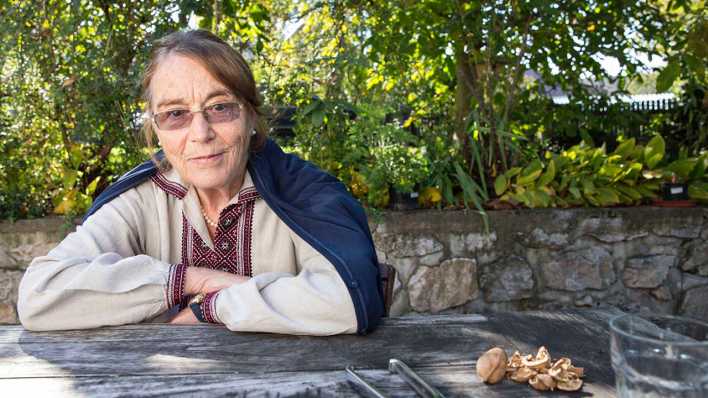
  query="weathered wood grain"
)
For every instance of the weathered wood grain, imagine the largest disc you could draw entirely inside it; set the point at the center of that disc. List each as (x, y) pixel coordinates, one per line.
(218, 350)
(453, 381)
(160, 331)
(208, 360)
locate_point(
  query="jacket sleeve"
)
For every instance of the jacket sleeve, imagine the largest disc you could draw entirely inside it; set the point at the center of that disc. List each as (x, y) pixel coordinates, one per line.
(315, 301)
(96, 277)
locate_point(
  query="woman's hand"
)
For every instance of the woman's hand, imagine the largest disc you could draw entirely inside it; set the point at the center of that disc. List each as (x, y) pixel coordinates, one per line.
(185, 317)
(205, 280)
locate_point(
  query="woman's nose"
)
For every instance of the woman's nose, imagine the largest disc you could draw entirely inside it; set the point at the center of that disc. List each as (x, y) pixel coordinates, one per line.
(200, 129)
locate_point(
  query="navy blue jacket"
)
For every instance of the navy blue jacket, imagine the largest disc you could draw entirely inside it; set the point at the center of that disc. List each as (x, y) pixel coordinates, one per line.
(317, 207)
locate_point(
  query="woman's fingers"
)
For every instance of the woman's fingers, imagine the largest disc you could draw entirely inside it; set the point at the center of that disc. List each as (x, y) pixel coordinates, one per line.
(185, 317)
(205, 280)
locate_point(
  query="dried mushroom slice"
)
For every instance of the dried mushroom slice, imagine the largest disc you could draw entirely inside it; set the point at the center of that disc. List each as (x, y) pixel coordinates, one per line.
(522, 375)
(543, 382)
(542, 359)
(515, 361)
(579, 372)
(571, 384)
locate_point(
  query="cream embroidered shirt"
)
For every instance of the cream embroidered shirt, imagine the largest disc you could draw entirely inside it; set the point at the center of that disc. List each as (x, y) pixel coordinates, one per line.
(126, 265)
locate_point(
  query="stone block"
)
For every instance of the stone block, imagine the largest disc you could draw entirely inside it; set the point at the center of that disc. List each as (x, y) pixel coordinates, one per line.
(646, 246)
(694, 255)
(642, 301)
(647, 272)
(8, 314)
(662, 293)
(405, 267)
(576, 270)
(683, 228)
(9, 282)
(452, 283)
(479, 241)
(606, 229)
(457, 245)
(554, 240)
(411, 245)
(691, 281)
(401, 305)
(507, 280)
(695, 303)
(431, 259)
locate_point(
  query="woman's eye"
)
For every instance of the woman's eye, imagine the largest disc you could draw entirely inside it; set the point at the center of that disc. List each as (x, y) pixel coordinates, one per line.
(176, 113)
(220, 108)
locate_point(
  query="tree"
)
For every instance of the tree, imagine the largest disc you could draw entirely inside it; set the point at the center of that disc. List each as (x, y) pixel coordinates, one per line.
(482, 49)
(69, 93)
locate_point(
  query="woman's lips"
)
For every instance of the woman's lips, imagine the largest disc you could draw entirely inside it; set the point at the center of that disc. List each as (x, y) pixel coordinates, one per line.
(208, 159)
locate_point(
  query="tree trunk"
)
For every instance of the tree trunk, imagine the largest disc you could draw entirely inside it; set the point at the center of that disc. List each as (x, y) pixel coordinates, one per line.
(217, 17)
(463, 97)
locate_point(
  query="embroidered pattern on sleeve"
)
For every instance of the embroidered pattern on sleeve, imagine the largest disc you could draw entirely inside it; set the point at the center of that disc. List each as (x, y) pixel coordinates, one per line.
(209, 308)
(175, 285)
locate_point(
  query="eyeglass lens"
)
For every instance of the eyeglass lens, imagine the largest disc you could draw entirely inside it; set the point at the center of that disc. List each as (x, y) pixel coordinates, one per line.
(178, 118)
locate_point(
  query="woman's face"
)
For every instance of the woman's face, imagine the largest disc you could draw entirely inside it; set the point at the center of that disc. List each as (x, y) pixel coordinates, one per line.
(206, 155)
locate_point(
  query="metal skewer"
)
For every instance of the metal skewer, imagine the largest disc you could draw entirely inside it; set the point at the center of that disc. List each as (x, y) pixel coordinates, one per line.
(356, 379)
(409, 376)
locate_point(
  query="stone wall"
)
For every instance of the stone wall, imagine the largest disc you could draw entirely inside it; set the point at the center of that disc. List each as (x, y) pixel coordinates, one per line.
(638, 259)
(20, 242)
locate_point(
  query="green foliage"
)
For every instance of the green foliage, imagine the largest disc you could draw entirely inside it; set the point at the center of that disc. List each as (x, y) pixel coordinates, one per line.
(355, 145)
(588, 176)
(403, 95)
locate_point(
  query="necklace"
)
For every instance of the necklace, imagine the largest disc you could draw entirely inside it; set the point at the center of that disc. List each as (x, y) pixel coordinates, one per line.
(207, 219)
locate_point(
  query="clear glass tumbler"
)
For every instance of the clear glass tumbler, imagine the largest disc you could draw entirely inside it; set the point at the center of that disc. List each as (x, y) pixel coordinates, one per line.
(659, 356)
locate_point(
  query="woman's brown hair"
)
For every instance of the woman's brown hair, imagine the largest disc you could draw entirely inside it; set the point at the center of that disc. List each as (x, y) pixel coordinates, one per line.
(222, 61)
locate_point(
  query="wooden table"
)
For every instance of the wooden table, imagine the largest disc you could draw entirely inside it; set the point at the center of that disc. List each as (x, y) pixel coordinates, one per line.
(208, 360)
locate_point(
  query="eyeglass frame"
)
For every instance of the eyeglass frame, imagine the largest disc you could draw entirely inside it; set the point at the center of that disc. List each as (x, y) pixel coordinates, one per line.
(151, 116)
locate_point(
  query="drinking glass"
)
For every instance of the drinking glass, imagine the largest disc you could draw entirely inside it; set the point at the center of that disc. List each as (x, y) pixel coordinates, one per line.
(659, 356)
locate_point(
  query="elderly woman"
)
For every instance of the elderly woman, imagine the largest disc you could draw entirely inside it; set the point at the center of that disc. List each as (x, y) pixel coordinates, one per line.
(221, 226)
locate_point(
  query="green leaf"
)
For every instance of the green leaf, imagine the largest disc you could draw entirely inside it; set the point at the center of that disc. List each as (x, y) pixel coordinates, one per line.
(629, 191)
(500, 184)
(317, 118)
(91, 188)
(654, 151)
(576, 192)
(549, 175)
(311, 107)
(607, 196)
(512, 172)
(626, 148)
(69, 178)
(682, 167)
(588, 186)
(530, 173)
(668, 75)
(700, 170)
(698, 190)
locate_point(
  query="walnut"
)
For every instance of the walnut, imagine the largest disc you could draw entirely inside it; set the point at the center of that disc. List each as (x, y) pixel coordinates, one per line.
(491, 366)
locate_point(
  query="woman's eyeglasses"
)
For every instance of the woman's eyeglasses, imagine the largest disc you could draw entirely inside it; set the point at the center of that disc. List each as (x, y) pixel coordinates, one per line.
(175, 119)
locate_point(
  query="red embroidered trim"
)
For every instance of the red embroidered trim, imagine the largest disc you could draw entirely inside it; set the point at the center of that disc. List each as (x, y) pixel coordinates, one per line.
(175, 285)
(168, 186)
(233, 240)
(209, 308)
